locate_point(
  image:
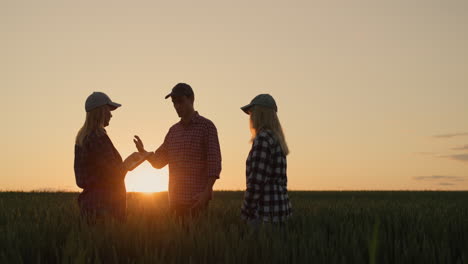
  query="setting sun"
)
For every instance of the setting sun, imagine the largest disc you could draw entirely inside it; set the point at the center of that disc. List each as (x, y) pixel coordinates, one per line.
(147, 179)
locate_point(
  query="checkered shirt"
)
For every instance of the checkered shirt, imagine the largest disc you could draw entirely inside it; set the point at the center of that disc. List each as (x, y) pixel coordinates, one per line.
(266, 196)
(99, 171)
(193, 154)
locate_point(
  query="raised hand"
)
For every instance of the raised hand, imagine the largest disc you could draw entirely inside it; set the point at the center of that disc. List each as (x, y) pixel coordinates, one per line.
(139, 144)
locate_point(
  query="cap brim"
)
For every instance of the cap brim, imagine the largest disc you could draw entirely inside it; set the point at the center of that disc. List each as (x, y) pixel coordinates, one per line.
(174, 94)
(246, 108)
(114, 105)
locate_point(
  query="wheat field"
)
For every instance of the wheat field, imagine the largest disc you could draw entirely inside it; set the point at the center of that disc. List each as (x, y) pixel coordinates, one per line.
(327, 227)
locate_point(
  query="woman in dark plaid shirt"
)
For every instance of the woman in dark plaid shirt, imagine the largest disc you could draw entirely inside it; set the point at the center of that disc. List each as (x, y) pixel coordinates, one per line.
(99, 169)
(266, 198)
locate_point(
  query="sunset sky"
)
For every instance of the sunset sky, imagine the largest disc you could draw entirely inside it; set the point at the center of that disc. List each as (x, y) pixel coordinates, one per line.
(372, 95)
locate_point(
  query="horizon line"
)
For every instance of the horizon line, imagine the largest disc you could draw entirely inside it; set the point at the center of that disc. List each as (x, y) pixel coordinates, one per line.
(233, 190)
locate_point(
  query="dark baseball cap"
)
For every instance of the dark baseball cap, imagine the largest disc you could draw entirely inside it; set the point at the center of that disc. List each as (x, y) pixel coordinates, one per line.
(265, 100)
(98, 99)
(180, 89)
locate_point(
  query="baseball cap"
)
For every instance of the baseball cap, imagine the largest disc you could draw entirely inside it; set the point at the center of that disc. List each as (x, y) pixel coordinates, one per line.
(180, 89)
(265, 100)
(98, 99)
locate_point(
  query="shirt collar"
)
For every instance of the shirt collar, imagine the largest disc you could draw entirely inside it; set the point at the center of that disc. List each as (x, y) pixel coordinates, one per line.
(195, 119)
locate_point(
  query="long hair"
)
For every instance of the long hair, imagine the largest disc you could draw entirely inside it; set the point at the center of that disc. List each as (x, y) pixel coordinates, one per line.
(95, 120)
(263, 118)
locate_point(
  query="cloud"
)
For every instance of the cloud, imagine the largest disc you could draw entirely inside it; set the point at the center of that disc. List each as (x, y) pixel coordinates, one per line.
(459, 157)
(461, 148)
(442, 180)
(451, 135)
(426, 153)
(446, 183)
(439, 177)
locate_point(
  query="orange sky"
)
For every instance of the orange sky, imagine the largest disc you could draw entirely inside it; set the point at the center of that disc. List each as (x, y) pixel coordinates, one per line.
(364, 88)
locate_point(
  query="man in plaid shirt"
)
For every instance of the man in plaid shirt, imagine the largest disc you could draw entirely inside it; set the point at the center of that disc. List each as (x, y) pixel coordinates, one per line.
(191, 148)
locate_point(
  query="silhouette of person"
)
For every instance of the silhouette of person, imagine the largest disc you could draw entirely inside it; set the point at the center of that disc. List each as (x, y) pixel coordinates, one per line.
(99, 169)
(266, 197)
(191, 148)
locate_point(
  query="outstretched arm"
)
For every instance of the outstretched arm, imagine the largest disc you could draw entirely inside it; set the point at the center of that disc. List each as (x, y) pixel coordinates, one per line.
(134, 160)
(159, 158)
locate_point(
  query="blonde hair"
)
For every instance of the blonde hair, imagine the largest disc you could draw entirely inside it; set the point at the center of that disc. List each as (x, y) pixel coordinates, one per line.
(263, 118)
(95, 120)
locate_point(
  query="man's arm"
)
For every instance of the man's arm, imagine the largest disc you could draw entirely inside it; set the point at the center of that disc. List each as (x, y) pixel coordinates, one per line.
(159, 158)
(204, 196)
(210, 184)
(213, 153)
(213, 163)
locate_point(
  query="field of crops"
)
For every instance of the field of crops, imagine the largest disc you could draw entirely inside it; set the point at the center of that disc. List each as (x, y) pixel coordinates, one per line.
(327, 227)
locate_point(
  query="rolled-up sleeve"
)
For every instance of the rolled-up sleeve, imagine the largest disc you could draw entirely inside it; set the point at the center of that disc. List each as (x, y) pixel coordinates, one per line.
(213, 156)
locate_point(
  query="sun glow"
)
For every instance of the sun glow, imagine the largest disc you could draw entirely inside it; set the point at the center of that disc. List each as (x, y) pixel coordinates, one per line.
(147, 179)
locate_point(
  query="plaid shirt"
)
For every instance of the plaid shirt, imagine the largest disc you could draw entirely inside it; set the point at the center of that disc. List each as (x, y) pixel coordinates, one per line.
(266, 196)
(99, 171)
(193, 154)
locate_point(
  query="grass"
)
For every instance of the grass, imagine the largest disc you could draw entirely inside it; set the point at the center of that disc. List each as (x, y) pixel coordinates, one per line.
(327, 227)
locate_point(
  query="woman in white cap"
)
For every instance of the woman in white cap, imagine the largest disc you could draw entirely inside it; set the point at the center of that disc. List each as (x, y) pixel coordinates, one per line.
(99, 169)
(266, 197)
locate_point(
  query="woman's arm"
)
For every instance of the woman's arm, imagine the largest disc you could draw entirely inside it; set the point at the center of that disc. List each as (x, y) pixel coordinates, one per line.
(106, 159)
